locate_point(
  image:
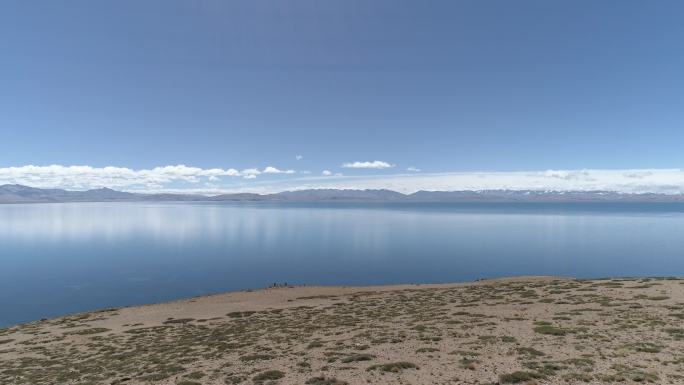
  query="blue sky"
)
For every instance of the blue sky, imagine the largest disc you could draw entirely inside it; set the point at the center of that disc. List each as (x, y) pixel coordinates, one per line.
(440, 86)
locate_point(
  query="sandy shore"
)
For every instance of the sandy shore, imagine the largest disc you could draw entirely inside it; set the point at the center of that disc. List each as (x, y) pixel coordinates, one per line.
(536, 330)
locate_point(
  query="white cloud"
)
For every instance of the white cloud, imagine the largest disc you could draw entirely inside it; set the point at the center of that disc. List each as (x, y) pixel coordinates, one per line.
(250, 173)
(376, 164)
(273, 170)
(413, 169)
(299, 157)
(668, 181)
(181, 178)
(87, 177)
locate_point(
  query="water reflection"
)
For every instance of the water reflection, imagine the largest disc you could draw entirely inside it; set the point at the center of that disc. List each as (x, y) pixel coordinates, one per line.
(60, 258)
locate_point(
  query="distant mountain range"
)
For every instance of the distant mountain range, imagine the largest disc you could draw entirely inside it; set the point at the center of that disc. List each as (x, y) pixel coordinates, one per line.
(25, 194)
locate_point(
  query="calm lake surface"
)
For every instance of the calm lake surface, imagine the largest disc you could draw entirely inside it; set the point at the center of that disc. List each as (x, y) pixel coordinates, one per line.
(63, 258)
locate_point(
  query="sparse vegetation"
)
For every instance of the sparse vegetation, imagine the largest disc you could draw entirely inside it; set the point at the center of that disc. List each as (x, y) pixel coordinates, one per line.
(550, 330)
(394, 366)
(269, 375)
(358, 358)
(553, 331)
(325, 381)
(518, 377)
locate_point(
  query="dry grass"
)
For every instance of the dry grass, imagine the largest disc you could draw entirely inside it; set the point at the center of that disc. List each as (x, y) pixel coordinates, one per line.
(531, 330)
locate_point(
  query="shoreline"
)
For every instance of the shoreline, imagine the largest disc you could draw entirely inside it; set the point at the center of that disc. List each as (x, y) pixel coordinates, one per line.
(380, 287)
(470, 332)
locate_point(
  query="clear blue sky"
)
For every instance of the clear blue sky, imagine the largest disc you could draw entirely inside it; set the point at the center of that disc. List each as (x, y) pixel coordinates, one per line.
(439, 85)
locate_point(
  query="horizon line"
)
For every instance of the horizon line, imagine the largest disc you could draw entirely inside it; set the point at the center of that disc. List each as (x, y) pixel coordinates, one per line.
(207, 194)
(195, 180)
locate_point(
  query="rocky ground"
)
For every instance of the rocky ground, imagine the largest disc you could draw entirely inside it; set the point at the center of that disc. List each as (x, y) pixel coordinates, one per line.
(532, 330)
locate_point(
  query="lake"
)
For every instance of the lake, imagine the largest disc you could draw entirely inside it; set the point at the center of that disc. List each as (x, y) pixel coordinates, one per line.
(64, 258)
